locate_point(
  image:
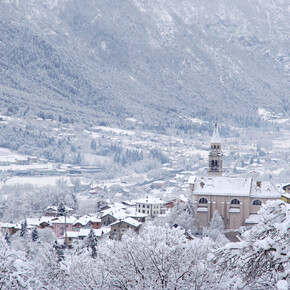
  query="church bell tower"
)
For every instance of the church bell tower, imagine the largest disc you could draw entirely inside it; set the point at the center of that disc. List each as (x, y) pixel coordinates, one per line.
(215, 167)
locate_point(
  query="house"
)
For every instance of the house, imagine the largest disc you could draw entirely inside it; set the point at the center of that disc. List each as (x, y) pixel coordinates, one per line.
(62, 224)
(107, 219)
(83, 233)
(110, 215)
(150, 205)
(32, 159)
(87, 222)
(158, 184)
(119, 227)
(7, 228)
(97, 189)
(286, 197)
(53, 211)
(128, 203)
(140, 217)
(173, 202)
(286, 187)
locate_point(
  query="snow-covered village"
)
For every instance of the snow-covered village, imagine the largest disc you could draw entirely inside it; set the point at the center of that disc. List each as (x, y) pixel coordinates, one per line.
(144, 144)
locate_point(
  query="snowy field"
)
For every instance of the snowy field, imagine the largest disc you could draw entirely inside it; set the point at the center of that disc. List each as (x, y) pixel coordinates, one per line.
(35, 181)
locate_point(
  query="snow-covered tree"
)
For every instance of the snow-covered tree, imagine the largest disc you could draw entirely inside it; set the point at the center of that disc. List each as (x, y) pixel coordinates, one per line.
(262, 259)
(217, 222)
(182, 215)
(15, 270)
(91, 243)
(216, 229)
(159, 257)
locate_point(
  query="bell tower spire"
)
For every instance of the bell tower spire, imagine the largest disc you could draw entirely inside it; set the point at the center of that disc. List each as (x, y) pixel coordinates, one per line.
(215, 167)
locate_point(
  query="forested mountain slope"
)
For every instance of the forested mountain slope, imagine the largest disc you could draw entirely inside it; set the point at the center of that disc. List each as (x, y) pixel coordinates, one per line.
(153, 60)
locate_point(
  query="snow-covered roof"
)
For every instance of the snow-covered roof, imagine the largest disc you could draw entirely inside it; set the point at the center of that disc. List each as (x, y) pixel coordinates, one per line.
(128, 203)
(253, 219)
(71, 234)
(98, 232)
(191, 179)
(234, 186)
(88, 218)
(215, 135)
(117, 213)
(55, 208)
(129, 221)
(219, 185)
(264, 190)
(150, 200)
(34, 222)
(138, 215)
(183, 197)
(287, 195)
(61, 220)
(7, 225)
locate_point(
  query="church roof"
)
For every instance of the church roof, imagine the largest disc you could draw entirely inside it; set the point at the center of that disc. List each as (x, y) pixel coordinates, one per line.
(219, 185)
(233, 186)
(215, 135)
(264, 189)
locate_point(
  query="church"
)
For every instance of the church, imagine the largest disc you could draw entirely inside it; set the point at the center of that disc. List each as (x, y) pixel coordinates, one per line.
(237, 199)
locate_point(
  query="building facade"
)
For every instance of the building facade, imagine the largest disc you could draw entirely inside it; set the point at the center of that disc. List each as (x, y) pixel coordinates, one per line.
(150, 206)
(237, 199)
(120, 227)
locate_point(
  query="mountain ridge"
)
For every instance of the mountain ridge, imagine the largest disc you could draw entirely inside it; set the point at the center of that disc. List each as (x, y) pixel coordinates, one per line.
(151, 60)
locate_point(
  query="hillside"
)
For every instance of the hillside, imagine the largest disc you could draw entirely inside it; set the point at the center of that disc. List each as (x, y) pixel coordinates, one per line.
(154, 61)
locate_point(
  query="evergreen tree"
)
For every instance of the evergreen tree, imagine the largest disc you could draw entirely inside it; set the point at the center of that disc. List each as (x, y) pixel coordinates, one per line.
(61, 209)
(7, 238)
(93, 145)
(34, 235)
(23, 230)
(59, 251)
(91, 243)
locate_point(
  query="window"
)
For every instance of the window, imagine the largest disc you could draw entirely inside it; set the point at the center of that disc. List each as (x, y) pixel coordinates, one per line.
(148, 206)
(214, 147)
(143, 205)
(203, 200)
(235, 201)
(143, 211)
(215, 163)
(257, 202)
